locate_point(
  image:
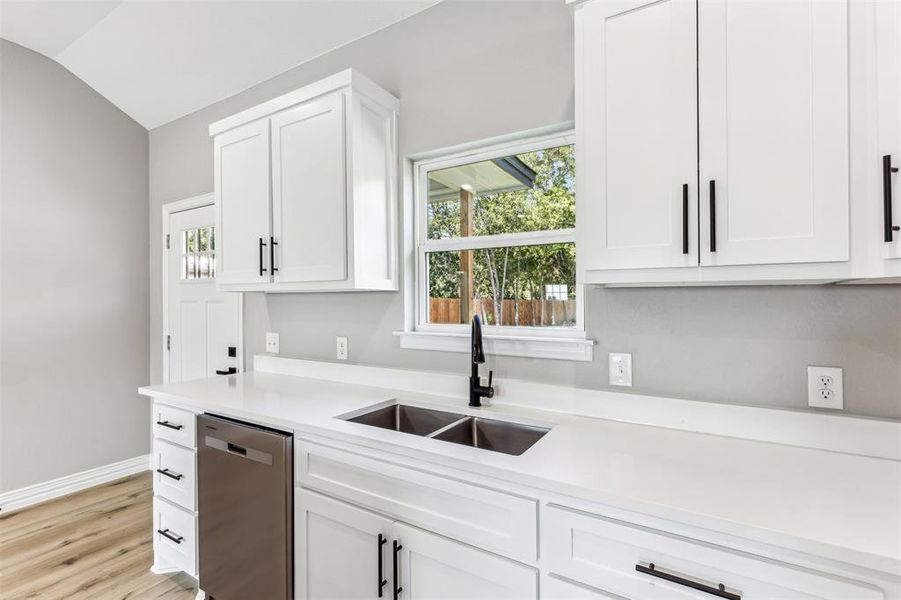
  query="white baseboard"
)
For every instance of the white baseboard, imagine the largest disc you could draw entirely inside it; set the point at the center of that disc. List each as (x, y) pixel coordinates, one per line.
(47, 490)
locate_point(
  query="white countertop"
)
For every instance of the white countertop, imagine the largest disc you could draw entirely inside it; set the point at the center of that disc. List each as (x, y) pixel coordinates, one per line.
(828, 504)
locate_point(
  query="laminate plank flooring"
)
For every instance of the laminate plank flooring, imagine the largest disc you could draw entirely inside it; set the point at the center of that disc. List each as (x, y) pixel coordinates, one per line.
(94, 544)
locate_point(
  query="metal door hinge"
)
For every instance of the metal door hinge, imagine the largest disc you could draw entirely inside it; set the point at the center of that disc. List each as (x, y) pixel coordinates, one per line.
(167, 242)
(168, 342)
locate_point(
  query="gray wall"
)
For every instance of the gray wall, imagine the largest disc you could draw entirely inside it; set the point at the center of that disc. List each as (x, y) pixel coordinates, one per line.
(74, 302)
(471, 70)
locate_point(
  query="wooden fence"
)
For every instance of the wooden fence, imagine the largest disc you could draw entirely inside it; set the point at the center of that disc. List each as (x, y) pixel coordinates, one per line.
(530, 313)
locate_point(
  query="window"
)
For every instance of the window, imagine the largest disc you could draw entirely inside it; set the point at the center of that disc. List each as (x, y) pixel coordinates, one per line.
(495, 237)
(198, 253)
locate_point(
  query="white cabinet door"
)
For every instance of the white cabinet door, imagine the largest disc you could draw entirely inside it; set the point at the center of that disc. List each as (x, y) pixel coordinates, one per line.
(773, 92)
(432, 567)
(241, 166)
(343, 552)
(888, 90)
(309, 192)
(636, 110)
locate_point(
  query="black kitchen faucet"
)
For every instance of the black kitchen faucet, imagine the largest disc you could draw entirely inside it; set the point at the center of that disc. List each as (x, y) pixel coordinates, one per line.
(476, 390)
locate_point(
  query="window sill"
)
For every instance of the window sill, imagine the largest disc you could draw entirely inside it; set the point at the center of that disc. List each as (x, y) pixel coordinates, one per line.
(555, 348)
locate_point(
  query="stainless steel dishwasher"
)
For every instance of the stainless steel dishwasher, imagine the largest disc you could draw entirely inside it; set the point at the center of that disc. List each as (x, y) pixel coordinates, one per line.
(245, 510)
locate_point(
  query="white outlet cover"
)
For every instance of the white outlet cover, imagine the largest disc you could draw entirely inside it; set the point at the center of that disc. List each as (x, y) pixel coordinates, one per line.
(341, 348)
(272, 342)
(825, 387)
(620, 369)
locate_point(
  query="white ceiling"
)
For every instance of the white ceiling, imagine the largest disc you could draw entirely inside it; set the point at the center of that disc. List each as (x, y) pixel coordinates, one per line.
(158, 60)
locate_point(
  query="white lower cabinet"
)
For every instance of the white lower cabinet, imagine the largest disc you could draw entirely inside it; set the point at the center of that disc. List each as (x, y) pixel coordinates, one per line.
(174, 538)
(554, 587)
(350, 553)
(618, 558)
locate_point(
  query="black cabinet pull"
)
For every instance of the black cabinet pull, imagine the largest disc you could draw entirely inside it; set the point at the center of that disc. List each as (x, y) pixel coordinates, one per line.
(272, 245)
(382, 581)
(397, 589)
(712, 215)
(175, 538)
(719, 591)
(684, 218)
(887, 170)
(170, 474)
(228, 371)
(169, 425)
(262, 269)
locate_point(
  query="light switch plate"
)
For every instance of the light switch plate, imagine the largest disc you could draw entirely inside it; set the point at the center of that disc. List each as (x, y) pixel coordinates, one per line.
(341, 348)
(620, 369)
(825, 388)
(272, 342)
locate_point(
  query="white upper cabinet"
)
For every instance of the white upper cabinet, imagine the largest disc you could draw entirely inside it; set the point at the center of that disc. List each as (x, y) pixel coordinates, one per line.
(241, 163)
(713, 141)
(773, 89)
(636, 108)
(306, 190)
(886, 164)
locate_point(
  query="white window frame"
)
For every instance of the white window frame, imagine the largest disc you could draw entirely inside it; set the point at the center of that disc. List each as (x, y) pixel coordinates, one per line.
(561, 343)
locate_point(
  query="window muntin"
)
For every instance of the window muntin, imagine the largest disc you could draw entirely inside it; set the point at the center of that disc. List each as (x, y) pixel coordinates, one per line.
(508, 239)
(198, 253)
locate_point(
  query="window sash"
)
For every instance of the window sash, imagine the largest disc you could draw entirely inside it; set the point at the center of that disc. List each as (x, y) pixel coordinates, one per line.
(424, 245)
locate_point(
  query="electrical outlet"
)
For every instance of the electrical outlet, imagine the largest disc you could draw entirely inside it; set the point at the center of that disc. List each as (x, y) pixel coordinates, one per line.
(341, 348)
(621, 369)
(825, 387)
(272, 342)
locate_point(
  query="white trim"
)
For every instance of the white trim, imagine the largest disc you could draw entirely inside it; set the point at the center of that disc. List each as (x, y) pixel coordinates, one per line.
(555, 348)
(168, 210)
(48, 490)
(532, 342)
(863, 436)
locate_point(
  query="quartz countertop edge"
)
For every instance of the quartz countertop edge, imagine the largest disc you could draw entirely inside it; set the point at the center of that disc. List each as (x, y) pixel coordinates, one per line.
(826, 504)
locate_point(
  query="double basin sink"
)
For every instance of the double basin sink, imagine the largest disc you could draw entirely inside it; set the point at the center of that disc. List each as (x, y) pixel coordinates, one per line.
(476, 432)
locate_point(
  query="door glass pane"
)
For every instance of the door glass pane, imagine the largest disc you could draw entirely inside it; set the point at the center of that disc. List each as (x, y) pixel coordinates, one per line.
(198, 258)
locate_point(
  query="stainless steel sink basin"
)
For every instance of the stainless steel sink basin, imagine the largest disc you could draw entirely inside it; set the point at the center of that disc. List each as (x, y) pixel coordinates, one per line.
(409, 419)
(500, 436)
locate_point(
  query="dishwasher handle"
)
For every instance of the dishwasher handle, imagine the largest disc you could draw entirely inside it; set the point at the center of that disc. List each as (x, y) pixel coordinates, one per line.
(239, 451)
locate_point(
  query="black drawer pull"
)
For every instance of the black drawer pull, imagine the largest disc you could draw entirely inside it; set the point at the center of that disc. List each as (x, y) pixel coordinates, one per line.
(887, 170)
(262, 269)
(170, 425)
(719, 591)
(397, 589)
(712, 215)
(684, 218)
(272, 245)
(175, 538)
(382, 581)
(170, 474)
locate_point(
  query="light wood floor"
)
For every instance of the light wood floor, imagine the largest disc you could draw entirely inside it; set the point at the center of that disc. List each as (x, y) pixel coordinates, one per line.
(93, 544)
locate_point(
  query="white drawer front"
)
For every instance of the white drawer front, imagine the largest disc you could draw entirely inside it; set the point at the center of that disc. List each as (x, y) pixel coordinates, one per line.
(175, 474)
(604, 553)
(174, 537)
(485, 518)
(174, 425)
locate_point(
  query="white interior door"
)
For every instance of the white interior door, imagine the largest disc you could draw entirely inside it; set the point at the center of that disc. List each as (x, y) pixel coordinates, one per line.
(773, 84)
(432, 567)
(308, 192)
(888, 89)
(637, 114)
(339, 550)
(203, 323)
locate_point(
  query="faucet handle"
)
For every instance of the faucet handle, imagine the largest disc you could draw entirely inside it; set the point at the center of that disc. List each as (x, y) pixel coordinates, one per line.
(490, 389)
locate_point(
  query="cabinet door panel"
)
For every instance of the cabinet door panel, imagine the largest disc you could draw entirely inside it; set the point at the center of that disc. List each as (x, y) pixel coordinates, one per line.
(241, 158)
(773, 111)
(308, 192)
(338, 549)
(435, 568)
(888, 90)
(636, 109)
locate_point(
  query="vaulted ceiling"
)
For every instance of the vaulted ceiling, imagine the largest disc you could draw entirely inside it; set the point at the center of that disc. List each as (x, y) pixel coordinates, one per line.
(158, 60)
